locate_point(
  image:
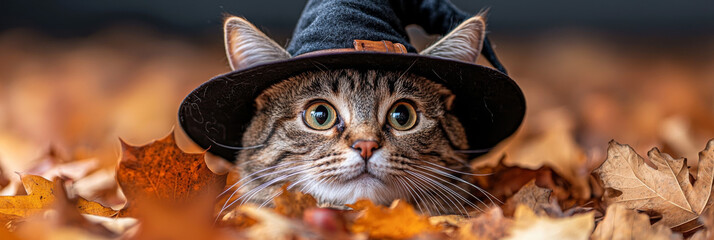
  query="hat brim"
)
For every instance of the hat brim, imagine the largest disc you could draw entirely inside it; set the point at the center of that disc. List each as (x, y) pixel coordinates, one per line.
(489, 104)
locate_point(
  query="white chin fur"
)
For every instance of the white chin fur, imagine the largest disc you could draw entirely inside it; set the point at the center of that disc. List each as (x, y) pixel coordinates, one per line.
(362, 187)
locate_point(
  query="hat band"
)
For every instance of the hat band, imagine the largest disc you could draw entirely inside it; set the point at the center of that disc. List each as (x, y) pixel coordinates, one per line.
(365, 46)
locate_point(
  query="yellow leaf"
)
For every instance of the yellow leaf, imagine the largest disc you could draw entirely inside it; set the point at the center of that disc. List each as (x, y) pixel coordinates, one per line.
(398, 221)
(41, 195)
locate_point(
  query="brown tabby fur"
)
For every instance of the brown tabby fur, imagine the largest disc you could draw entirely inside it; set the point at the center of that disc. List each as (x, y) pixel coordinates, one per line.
(420, 165)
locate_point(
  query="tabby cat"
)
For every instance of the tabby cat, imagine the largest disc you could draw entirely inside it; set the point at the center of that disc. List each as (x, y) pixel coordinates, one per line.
(344, 135)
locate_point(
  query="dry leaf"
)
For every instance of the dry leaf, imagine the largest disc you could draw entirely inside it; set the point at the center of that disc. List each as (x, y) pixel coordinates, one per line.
(40, 197)
(398, 221)
(529, 226)
(621, 223)
(160, 171)
(489, 225)
(531, 196)
(665, 189)
(556, 148)
(293, 204)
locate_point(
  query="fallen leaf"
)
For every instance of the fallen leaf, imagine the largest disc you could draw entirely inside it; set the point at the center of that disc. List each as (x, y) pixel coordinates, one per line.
(161, 172)
(398, 221)
(707, 219)
(489, 225)
(665, 188)
(527, 225)
(271, 225)
(623, 223)
(41, 195)
(531, 196)
(555, 148)
(293, 204)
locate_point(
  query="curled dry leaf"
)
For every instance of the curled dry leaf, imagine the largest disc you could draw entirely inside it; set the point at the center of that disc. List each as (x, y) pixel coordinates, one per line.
(161, 172)
(665, 188)
(623, 223)
(527, 225)
(398, 221)
(531, 196)
(489, 225)
(41, 195)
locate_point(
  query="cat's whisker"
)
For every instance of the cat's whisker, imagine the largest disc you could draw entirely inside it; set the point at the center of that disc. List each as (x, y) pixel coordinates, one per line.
(454, 193)
(431, 182)
(246, 177)
(459, 172)
(270, 183)
(456, 186)
(427, 196)
(441, 173)
(418, 192)
(251, 180)
(489, 195)
(417, 201)
(270, 199)
(228, 205)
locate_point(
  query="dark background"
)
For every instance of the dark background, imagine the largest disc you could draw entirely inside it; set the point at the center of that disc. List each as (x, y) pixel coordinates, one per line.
(72, 18)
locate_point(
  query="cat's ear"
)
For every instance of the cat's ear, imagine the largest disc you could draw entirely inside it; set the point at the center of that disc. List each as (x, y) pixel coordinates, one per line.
(463, 43)
(247, 46)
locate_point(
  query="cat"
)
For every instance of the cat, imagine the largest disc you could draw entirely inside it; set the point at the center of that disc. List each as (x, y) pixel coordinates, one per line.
(344, 135)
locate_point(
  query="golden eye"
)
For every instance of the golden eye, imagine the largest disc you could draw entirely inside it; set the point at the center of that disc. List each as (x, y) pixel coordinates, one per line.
(320, 116)
(402, 116)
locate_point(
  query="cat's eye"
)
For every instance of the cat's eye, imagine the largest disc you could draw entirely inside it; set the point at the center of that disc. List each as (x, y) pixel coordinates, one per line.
(320, 116)
(402, 116)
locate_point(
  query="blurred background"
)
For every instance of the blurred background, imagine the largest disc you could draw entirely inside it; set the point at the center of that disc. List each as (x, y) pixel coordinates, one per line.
(77, 75)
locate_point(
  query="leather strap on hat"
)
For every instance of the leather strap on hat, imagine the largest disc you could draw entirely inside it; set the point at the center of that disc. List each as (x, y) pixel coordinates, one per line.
(366, 46)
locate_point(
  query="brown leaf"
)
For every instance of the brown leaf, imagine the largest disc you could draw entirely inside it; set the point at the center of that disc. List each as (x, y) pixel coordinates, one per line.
(41, 195)
(556, 148)
(623, 223)
(293, 204)
(529, 226)
(489, 225)
(531, 196)
(161, 172)
(665, 189)
(398, 221)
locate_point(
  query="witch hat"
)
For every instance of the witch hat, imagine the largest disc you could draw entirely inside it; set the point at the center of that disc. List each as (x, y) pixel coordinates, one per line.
(362, 35)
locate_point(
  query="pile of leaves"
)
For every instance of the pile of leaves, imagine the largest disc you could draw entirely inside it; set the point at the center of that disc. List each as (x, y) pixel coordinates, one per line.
(171, 194)
(65, 175)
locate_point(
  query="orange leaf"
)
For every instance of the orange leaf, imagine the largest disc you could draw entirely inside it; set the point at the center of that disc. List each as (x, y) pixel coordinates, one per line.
(293, 204)
(161, 172)
(398, 221)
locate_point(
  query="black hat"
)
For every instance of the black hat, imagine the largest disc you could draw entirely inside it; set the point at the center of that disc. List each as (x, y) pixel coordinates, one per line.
(487, 102)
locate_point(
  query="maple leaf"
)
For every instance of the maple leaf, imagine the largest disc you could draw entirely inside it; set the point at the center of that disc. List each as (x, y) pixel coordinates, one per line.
(41, 195)
(623, 223)
(161, 172)
(665, 188)
(529, 226)
(398, 221)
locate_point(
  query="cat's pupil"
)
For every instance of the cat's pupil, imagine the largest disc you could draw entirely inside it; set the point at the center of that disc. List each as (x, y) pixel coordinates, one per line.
(320, 114)
(401, 115)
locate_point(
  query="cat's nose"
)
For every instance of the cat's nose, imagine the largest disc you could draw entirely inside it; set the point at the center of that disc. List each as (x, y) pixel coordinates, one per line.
(365, 147)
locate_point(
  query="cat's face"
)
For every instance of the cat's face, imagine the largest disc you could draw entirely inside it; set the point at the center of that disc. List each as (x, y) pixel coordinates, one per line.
(344, 135)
